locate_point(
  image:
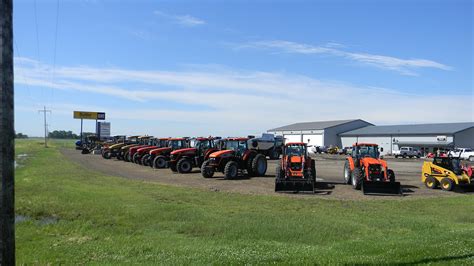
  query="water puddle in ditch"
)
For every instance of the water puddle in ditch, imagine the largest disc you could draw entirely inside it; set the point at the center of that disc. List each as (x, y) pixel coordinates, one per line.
(42, 221)
(19, 159)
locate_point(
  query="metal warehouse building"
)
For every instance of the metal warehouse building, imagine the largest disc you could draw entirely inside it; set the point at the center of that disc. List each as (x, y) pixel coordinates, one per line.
(324, 133)
(425, 137)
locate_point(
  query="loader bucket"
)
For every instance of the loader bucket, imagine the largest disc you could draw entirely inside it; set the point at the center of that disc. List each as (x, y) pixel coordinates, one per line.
(288, 185)
(379, 187)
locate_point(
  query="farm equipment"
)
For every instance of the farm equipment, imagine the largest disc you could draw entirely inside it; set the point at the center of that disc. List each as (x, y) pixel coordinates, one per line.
(296, 171)
(142, 155)
(90, 144)
(268, 145)
(124, 150)
(183, 160)
(110, 150)
(364, 170)
(146, 143)
(446, 172)
(160, 157)
(233, 159)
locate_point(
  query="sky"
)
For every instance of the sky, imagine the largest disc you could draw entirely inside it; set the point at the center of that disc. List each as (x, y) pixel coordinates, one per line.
(230, 68)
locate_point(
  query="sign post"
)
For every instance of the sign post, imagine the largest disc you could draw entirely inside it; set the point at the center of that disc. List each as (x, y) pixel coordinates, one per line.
(90, 116)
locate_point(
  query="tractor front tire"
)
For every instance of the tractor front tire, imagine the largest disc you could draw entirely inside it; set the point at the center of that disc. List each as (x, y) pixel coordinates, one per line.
(184, 166)
(231, 170)
(159, 162)
(135, 158)
(145, 160)
(259, 165)
(391, 175)
(125, 157)
(106, 155)
(206, 171)
(274, 155)
(347, 173)
(447, 184)
(356, 178)
(431, 182)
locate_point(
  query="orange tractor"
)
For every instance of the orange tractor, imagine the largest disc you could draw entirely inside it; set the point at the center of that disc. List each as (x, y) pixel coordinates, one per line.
(296, 171)
(234, 159)
(183, 160)
(141, 156)
(365, 170)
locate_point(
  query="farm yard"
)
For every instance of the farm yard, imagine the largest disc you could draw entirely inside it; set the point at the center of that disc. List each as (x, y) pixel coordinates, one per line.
(73, 208)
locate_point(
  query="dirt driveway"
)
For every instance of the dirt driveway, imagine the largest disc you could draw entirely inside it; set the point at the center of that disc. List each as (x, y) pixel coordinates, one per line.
(329, 178)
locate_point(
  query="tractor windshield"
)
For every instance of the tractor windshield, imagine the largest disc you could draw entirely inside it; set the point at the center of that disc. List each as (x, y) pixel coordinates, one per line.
(367, 151)
(177, 144)
(236, 145)
(203, 144)
(295, 150)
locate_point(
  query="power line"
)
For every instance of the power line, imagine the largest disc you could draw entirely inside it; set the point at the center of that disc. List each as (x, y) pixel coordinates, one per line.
(44, 111)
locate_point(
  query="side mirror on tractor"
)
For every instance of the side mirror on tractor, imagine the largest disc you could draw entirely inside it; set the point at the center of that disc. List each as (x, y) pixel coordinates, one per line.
(381, 149)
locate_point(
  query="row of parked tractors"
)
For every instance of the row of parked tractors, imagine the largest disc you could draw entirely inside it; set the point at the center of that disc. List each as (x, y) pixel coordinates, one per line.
(296, 170)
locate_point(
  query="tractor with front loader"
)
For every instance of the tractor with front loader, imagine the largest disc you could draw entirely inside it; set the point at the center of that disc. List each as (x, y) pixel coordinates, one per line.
(447, 173)
(183, 160)
(365, 170)
(235, 158)
(141, 156)
(160, 157)
(296, 170)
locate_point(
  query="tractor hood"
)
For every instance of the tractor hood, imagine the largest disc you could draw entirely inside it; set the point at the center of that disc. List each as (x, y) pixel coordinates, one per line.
(221, 153)
(135, 148)
(187, 150)
(116, 146)
(126, 147)
(146, 149)
(160, 150)
(373, 161)
(296, 159)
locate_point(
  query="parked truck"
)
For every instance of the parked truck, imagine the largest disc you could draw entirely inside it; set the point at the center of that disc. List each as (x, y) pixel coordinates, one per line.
(407, 152)
(463, 153)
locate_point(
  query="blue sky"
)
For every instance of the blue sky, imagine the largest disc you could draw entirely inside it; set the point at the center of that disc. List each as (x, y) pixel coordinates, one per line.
(241, 67)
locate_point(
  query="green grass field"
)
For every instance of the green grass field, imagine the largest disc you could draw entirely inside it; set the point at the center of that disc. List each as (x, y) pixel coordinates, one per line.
(73, 215)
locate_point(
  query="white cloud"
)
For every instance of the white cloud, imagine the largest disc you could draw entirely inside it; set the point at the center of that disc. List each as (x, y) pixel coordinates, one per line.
(230, 101)
(184, 20)
(404, 66)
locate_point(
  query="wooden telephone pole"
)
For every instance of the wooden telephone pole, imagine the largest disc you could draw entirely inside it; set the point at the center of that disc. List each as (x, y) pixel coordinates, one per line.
(7, 134)
(44, 111)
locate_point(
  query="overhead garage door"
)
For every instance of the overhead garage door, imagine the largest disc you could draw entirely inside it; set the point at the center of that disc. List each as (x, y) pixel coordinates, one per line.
(313, 139)
(292, 138)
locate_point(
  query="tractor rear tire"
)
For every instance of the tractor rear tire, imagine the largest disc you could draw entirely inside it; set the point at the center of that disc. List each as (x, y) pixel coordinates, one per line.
(145, 160)
(447, 184)
(347, 173)
(206, 172)
(356, 178)
(431, 182)
(391, 175)
(259, 165)
(184, 166)
(231, 170)
(159, 162)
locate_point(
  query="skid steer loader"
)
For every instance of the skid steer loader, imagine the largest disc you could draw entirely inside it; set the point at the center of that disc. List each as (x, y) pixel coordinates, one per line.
(446, 172)
(296, 171)
(365, 170)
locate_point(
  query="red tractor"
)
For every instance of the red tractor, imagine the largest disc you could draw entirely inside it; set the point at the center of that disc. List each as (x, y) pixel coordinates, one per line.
(296, 170)
(184, 160)
(141, 156)
(160, 157)
(234, 158)
(365, 170)
(147, 142)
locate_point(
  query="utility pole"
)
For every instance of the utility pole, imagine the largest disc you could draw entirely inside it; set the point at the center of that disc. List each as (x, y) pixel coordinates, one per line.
(7, 136)
(44, 111)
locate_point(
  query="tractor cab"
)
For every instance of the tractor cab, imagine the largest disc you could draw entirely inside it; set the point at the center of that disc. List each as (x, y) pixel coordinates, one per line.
(202, 144)
(362, 150)
(238, 145)
(295, 149)
(178, 143)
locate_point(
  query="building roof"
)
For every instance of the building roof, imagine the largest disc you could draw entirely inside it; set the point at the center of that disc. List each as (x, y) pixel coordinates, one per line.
(318, 125)
(420, 129)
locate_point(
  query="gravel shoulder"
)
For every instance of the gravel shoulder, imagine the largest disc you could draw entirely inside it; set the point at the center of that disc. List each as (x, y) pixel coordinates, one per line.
(329, 178)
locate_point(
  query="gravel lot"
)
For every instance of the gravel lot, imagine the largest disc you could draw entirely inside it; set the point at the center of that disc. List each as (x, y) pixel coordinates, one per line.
(329, 170)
